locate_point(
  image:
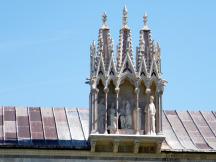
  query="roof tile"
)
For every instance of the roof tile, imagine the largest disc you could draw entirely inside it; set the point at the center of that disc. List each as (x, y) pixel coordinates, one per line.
(68, 128)
(179, 130)
(171, 137)
(63, 131)
(49, 126)
(192, 130)
(74, 124)
(204, 129)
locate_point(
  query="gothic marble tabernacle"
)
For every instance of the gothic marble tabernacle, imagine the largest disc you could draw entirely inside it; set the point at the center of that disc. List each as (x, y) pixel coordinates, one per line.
(126, 93)
(120, 100)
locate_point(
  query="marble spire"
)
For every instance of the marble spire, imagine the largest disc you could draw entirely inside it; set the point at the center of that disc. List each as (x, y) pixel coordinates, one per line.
(125, 17)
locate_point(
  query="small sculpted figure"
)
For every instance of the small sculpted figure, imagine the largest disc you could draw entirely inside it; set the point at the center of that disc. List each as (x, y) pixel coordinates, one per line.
(125, 115)
(151, 116)
(128, 115)
(122, 116)
(112, 118)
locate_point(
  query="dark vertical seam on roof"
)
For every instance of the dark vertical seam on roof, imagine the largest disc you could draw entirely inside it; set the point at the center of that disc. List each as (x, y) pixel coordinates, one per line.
(81, 123)
(55, 123)
(207, 123)
(29, 123)
(199, 130)
(186, 130)
(15, 124)
(41, 123)
(68, 123)
(173, 129)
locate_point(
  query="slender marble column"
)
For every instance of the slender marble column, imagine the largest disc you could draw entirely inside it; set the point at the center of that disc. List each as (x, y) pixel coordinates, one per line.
(138, 120)
(117, 110)
(95, 110)
(91, 113)
(106, 90)
(160, 111)
(147, 129)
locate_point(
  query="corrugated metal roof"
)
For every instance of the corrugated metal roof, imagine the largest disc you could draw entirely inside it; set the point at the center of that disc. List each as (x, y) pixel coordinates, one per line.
(36, 127)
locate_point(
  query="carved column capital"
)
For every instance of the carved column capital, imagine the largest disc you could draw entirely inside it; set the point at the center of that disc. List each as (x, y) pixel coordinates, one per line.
(137, 90)
(148, 91)
(106, 90)
(95, 90)
(117, 90)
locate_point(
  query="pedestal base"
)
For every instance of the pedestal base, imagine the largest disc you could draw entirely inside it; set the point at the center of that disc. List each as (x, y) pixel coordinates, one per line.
(126, 143)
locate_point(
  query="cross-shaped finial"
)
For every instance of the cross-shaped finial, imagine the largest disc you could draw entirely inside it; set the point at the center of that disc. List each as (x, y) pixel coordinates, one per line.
(104, 19)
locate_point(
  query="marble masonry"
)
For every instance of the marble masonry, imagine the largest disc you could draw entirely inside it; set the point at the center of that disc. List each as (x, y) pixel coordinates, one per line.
(125, 121)
(126, 95)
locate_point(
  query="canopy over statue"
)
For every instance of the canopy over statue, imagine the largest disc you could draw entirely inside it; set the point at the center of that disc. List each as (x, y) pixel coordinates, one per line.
(126, 93)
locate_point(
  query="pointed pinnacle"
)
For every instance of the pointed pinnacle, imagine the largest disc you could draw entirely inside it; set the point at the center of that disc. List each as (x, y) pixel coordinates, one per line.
(145, 19)
(125, 17)
(125, 9)
(104, 20)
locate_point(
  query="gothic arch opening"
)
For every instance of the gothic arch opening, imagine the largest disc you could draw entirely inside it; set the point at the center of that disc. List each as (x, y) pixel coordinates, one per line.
(111, 108)
(126, 106)
(142, 103)
(101, 107)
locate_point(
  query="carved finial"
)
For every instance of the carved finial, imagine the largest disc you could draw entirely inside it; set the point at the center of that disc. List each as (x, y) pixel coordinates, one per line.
(125, 17)
(145, 18)
(104, 20)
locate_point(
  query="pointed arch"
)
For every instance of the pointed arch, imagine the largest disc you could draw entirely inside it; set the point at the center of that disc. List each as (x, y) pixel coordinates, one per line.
(112, 68)
(101, 107)
(127, 77)
(154, 69)
(127, 100)
(111, 106)
(142, 102)
(128, 67)
(143, 69)
(101, 68)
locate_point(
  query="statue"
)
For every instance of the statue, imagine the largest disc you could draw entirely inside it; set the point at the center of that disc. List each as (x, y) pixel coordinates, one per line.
(128, 115)
(112, 118)
(151, 111)
(122, 115)
(102, 115)
(125, 115)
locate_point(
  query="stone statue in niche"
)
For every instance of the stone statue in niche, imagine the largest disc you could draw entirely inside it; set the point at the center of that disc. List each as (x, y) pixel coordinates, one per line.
(151, 111)
(122, 116)
(128, 115)
(112, 118)
(125, 115)
(102, 115)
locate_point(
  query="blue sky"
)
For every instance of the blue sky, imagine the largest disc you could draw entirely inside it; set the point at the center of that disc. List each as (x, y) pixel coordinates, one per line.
(44, 49)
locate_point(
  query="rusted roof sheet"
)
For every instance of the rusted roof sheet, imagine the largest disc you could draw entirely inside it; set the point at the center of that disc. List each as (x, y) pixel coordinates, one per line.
(36, 127)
